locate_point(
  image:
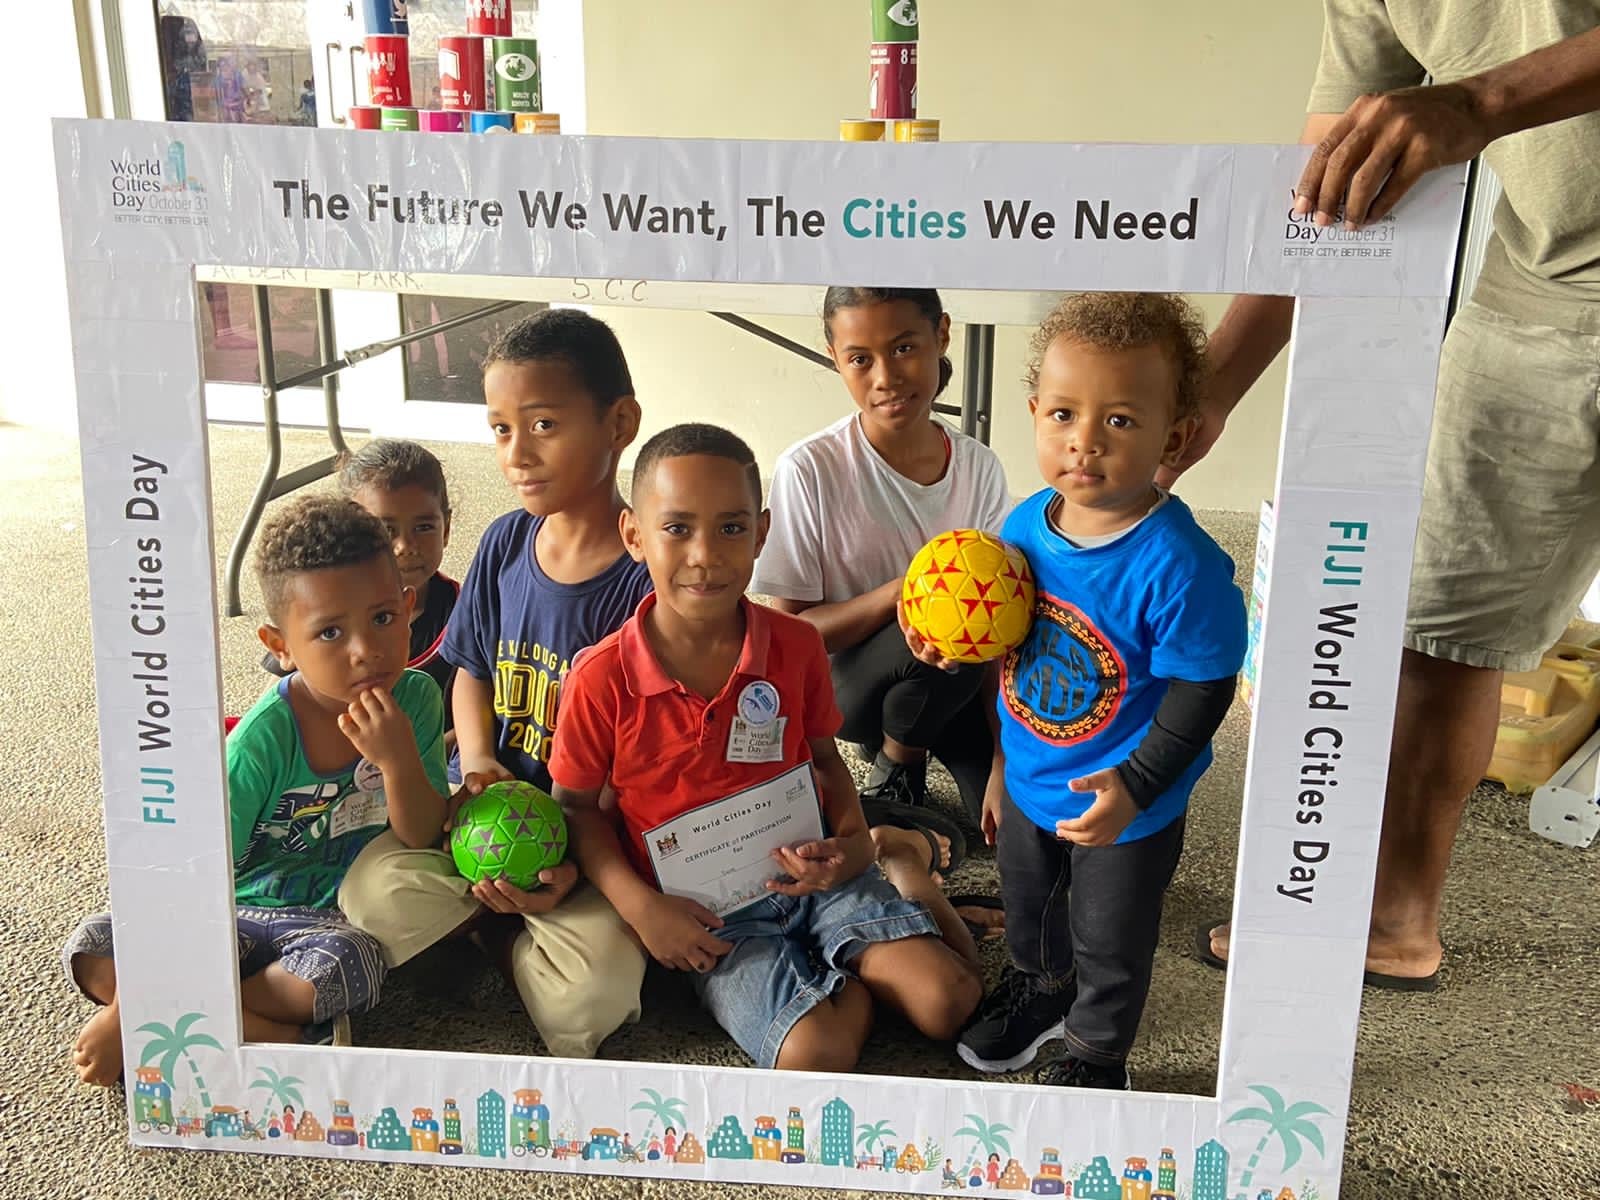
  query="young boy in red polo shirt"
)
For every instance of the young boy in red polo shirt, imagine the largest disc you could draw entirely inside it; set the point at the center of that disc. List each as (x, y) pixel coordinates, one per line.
(704, 703)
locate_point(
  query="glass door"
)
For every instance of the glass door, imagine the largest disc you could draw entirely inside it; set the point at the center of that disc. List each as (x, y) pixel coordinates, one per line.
(300, 62)
(242, 62)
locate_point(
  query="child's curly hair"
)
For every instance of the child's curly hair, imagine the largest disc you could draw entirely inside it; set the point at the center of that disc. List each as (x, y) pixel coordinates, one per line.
(1125, 321)
(313, 534)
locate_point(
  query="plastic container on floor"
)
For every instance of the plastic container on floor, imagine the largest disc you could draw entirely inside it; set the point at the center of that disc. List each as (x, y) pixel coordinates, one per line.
(1548, 712)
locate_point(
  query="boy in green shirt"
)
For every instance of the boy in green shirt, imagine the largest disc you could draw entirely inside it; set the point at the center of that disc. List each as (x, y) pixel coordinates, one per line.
(347, 744)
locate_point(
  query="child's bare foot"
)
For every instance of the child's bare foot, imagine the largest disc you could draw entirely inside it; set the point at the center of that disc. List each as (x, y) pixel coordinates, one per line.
(97, 1054)
(891, 840)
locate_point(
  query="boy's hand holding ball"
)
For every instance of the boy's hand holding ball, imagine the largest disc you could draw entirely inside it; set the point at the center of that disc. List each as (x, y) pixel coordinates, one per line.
(473, 782)
(555, 882)
(921, 650)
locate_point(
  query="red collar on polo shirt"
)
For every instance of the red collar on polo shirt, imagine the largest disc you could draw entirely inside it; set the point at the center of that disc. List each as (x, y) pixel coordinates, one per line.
(641, 669)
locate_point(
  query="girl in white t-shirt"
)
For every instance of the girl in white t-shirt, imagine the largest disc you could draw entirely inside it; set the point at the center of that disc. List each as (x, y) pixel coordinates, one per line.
(851, 505)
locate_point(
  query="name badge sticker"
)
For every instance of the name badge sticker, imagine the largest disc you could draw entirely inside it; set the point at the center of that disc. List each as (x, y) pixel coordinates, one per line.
(358, 810)
(749, 743)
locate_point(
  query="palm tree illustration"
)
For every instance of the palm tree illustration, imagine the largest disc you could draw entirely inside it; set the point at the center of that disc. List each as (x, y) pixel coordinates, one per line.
(1288, 1122)
(280, 1089)
(668, 1110)
(171, 1044)
(868, 1136)
(990, 1137)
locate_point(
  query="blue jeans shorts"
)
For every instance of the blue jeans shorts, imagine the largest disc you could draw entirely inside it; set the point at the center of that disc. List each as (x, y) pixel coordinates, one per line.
(789, 953)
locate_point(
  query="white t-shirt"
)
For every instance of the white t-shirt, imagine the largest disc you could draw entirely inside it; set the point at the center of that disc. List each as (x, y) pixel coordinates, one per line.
(845, 522)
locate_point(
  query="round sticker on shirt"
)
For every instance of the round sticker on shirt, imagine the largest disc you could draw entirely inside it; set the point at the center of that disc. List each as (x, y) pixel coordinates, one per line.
(369, 776)
(758, 703)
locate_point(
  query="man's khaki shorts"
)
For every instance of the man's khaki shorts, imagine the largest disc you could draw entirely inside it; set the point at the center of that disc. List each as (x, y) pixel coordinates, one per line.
(1509, 538)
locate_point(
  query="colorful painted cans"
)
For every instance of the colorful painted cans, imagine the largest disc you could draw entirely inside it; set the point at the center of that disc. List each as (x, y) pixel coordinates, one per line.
(860, 131)
(894, 20)
(385, 16)
(441, 120)
(539, 122)
(365, 116)
(917, 130)
(489, 122)
(402, 120)
(461, 73)
(489, 18)
(388, 71)
(892, 90)
(516, 74)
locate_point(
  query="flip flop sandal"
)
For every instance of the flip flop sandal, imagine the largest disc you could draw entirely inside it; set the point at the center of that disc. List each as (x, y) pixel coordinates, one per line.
(925, 820)
(1401, 983)
(1202, 947)
(975, 900)
(1372, 979)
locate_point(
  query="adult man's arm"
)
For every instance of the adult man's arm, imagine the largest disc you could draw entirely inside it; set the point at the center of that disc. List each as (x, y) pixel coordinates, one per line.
(1376, 150)
(1383, 144)
(1242, 346)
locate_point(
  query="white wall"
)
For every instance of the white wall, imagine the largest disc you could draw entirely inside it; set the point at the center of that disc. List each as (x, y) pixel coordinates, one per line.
(35, 348)
(1027, 70)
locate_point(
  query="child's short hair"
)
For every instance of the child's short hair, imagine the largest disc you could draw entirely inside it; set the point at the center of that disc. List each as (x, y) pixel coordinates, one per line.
(584, 343)
(1126, 321)
(680, 441)
(313, 534)
(926, 300)
(390, 464)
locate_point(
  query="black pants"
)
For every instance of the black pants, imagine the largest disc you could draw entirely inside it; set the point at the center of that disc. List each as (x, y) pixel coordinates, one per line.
(1083, 920)
(882, 690)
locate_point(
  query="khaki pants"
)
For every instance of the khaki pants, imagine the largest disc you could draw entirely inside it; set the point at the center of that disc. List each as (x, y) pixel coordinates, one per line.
(577, 968)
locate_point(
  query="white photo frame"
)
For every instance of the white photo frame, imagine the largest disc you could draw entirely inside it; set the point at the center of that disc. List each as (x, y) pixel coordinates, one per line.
(144, 204)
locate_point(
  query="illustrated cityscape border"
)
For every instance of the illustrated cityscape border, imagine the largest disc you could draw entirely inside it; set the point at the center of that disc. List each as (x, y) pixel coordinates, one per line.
(145, 203)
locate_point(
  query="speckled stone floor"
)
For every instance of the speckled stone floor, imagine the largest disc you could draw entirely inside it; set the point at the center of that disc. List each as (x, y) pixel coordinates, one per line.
(1456, 1094)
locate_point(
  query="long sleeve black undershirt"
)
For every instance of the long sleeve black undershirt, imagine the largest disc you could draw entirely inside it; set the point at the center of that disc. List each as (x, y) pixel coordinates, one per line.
(1187, 717)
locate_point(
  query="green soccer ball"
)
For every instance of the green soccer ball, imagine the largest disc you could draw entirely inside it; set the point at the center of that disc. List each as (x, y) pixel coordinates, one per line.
(510, 831)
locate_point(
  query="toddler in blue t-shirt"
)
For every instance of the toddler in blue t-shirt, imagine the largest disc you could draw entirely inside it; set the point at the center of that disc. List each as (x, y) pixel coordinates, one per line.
(1107, 709)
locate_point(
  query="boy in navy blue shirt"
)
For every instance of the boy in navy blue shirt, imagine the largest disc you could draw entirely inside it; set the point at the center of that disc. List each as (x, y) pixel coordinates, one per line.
(550, 579)
(1107, 709)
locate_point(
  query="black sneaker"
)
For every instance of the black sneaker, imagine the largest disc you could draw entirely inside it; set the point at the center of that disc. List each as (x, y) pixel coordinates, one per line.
(898, 783)
(1080, 1073)
(1012, 1023)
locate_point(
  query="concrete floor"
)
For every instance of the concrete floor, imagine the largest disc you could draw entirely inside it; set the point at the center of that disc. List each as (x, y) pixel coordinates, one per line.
(1456, 1094)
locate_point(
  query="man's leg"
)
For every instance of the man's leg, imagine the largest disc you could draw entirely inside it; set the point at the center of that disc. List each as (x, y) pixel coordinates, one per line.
(1445, 721)
(1446, 718)
(1507, 542)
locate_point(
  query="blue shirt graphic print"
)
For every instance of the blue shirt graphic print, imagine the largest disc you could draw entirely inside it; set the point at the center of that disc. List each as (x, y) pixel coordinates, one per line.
(520, 629)
(1111, 625)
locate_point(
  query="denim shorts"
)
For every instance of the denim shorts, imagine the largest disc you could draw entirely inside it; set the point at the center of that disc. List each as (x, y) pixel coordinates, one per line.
(789, 953)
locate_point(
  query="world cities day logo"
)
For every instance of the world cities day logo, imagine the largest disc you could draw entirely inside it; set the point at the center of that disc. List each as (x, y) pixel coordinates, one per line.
(157, 191)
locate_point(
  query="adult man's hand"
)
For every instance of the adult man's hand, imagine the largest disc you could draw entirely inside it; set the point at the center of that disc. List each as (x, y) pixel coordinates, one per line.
(1383, 144)
(1213, 417)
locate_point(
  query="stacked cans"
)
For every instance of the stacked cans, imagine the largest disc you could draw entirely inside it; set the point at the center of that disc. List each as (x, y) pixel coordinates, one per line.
(488, 78)
(892, 60)
(891, 80)
(388, 47)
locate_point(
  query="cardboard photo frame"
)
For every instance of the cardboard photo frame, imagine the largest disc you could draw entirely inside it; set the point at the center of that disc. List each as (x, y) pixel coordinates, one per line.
(144, 204)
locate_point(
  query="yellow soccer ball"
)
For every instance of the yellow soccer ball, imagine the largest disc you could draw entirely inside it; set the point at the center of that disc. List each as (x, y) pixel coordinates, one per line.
(969, 595)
